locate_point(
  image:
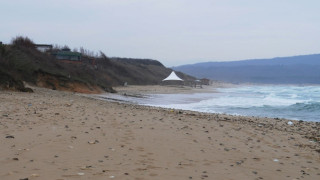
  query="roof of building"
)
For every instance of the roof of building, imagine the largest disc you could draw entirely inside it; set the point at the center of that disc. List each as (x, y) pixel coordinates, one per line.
(172, 77)
(67, 53)
(44, 45)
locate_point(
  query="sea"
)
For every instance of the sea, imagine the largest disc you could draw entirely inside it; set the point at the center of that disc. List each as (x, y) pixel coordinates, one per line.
(273, 101)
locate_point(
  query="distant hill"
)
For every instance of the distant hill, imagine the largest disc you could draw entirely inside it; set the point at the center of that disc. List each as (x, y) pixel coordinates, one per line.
(303, 69)
(22, 62)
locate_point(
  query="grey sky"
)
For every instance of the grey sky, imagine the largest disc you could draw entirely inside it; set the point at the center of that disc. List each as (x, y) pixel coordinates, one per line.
(174, 32)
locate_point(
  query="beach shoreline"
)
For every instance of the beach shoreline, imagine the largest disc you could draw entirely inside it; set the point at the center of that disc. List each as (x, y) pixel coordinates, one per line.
(158, 89)
(276, 101)
(60, 135)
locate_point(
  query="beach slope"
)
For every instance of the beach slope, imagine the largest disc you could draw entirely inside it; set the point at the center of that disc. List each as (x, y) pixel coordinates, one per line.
(59, 135)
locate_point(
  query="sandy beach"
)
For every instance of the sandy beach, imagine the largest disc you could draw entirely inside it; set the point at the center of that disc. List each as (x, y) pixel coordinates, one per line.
(60, 135)
(158, 89)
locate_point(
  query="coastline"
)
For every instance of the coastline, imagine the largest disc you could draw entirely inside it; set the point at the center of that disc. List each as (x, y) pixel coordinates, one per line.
(157, 89)
(282, 101)
(59, 135)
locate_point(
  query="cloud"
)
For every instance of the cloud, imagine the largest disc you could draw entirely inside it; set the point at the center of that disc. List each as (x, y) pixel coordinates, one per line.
(173, 32)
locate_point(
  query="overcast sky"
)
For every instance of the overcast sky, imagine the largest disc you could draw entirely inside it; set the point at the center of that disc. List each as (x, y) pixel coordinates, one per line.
(175, 32)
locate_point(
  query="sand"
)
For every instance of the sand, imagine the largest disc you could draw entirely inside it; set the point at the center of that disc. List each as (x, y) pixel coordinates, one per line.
(58, 135)
(158, 89)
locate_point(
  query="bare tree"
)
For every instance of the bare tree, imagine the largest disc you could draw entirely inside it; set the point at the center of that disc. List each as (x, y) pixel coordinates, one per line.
(23, 41)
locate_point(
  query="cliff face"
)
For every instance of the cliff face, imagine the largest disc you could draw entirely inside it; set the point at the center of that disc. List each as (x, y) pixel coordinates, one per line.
(20, 63)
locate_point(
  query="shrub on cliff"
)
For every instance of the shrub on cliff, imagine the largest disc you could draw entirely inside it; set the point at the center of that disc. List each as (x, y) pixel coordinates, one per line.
(23, 41)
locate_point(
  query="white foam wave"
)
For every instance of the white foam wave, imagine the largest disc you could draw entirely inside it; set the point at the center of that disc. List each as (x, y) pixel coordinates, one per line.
(249, 100)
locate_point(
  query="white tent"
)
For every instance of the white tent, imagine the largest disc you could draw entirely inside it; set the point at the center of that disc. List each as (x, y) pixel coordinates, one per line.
(172, 77)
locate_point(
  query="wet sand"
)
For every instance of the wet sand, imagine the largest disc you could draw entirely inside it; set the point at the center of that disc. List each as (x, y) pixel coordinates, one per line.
(158, 89)
(58, 135)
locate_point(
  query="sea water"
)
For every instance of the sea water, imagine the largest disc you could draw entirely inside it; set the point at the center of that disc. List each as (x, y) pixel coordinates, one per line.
(290, 102)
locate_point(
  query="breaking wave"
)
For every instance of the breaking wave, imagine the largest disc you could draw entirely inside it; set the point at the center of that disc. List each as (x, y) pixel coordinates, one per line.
(291, 102)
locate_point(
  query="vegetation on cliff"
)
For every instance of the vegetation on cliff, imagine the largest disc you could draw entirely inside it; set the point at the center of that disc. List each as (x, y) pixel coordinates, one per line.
(21, 62)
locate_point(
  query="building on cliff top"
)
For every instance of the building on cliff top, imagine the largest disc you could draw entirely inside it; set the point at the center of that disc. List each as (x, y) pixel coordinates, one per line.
(43, 47)
(66, 54)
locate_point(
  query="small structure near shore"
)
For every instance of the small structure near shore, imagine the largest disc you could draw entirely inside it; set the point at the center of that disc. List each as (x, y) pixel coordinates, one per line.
(173, 79)
(205, 81)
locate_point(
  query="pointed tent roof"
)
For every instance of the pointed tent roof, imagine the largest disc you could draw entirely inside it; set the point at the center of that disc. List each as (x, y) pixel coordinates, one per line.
(172, 77)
